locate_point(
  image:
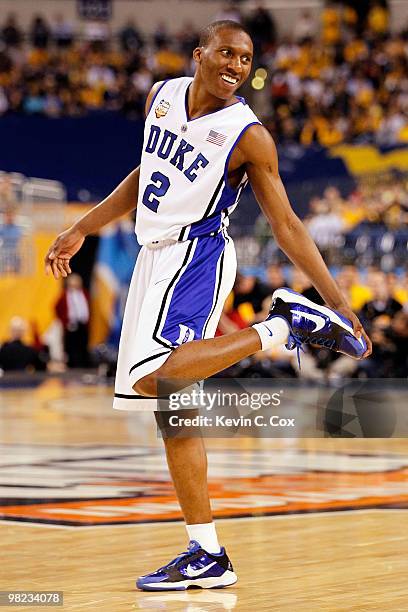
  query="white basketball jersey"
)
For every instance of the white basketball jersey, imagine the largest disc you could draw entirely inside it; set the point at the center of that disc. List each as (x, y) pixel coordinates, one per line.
(183, 187)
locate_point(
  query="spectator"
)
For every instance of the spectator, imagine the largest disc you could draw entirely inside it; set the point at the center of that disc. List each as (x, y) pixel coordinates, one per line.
(15, 354)
(326, 226)
(229, 12)
(39, 33)
(188, 38)
(390, 344)
(381, 303)
(398, 335)
(62, 32)
(169, 62)
(11, 32)
(97, 33)
(129, 37)
(377, 19)
(331, 24)
(161, 35)
(11, 234)
(262, 28)
(398, 288)
(275, 277)
(249, 294)
(355, 291)
(72, 310)
(305, 27)
(302, 284)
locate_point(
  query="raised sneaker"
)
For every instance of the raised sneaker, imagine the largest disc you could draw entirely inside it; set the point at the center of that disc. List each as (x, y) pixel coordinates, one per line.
(310, 323)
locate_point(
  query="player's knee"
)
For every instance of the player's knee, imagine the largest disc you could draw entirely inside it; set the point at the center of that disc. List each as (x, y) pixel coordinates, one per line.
(146, 386)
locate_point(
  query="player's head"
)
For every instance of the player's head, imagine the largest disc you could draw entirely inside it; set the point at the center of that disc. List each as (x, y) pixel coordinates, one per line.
(223, 58)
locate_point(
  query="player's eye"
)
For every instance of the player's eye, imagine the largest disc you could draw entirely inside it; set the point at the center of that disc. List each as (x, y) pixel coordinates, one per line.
(226, 52)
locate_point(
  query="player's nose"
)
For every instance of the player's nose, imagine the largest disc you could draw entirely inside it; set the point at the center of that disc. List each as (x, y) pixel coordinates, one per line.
(235, 65)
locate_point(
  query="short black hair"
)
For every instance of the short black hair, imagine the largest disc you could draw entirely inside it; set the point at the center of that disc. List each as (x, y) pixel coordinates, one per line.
(209, 31)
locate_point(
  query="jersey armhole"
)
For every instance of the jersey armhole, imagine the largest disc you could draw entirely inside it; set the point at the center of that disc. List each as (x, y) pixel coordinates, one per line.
(242, 132)
(155, 96)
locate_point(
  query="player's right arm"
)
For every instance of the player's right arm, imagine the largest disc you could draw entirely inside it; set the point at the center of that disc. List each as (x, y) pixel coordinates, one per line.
(121, 201)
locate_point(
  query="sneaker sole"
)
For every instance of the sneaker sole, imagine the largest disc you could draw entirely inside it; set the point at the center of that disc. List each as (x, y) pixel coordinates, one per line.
(218, 582)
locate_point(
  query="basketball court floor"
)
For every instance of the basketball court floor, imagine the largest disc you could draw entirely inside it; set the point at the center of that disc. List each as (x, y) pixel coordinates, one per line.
(86, 506)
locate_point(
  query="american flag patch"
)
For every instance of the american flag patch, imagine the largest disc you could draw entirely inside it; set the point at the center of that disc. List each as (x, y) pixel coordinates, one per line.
(216, 138)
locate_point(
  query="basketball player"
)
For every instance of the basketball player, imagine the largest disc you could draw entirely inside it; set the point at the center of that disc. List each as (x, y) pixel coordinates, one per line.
(202, 143)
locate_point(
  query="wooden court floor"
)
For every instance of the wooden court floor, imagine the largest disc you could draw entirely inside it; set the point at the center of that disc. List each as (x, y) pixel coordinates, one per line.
(86, 506)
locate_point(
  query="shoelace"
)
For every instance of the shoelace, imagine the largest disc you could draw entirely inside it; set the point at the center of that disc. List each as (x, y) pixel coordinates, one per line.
(177, 559)
(294, 342)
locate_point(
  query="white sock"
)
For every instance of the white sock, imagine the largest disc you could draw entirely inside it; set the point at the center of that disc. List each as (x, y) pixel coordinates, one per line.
(272, 332)
(206, 535)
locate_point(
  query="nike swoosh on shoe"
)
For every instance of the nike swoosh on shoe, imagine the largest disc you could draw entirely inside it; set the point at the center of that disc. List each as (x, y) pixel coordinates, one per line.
(192, 573)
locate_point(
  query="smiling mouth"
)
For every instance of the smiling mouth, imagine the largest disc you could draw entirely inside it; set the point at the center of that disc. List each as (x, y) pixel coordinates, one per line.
(229, 80)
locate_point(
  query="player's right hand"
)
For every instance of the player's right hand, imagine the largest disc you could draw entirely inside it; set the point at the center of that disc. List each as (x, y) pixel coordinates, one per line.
(60, 252)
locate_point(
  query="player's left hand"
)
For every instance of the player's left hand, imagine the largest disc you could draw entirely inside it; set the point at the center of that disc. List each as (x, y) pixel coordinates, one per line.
(358, 329)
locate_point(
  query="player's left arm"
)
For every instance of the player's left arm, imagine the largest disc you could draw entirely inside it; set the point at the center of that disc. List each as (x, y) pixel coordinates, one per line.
(258, 153)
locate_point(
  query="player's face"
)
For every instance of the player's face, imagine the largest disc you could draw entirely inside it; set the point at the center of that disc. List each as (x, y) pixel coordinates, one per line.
(225, 63)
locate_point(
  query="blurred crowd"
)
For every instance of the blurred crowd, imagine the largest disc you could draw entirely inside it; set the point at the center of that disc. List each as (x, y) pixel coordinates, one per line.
(349, 82)
(369, 226)
(64, 345)
(338, 78)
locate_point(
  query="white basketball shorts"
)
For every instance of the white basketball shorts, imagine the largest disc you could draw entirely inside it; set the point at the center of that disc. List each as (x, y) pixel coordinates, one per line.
(176, 295)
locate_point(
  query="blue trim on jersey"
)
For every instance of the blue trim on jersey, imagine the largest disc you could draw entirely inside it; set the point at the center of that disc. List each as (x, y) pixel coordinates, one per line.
(242, 132)
(155, 95)
(227, 199)
(214, 222)
(188, 120)
(192, 300)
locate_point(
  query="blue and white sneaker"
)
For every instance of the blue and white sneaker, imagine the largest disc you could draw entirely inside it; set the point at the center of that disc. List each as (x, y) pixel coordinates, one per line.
(194, 568)
(310, 323)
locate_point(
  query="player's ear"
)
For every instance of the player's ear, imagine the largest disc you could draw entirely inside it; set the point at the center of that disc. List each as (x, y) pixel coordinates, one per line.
(197, 54)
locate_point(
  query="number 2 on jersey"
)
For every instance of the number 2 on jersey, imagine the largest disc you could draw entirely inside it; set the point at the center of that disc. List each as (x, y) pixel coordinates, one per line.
(155, 190)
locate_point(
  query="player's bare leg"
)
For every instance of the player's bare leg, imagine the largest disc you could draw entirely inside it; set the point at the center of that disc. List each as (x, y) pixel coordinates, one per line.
(200, 359)
(187, 461)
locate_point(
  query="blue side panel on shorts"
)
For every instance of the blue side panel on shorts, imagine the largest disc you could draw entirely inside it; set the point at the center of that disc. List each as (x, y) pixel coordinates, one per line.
(192, 299)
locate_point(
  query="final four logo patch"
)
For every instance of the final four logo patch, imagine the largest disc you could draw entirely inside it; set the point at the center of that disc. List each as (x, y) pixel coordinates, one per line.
(162, 109)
